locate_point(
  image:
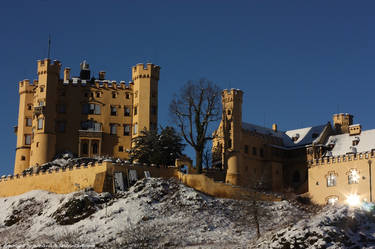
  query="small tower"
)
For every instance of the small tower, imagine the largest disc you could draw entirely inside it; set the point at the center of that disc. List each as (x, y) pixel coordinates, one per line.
(24, 128)
(44, 112)
(145, 97)
(232, 125)
(341, 122)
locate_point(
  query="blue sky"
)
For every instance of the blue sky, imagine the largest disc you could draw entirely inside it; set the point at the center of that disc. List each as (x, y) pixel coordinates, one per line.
(298, 62)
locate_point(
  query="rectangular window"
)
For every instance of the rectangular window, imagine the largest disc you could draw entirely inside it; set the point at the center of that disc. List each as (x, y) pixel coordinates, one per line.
(85, 108)
(126, 111)
(121, 149)
(135, 110)
(113, 110)
(27, 139)
(29, 122)
(135, 128)
(61, 126)
(127, 95)
(331, 180)
(126, 130)
(353, 176)
(41, 103)
(113, 128)
(40, 124)
(61, 108)
(97, 109)
(114, 95)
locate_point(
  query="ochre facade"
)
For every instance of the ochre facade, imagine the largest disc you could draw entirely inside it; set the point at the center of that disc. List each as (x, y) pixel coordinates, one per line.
(86, 115)
(327, 162)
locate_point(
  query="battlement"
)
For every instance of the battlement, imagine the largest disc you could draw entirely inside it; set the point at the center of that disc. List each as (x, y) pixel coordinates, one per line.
(48, 65)
(231, 95)
(341, 159)
(111, 84)
(25, 86)
(148, 71)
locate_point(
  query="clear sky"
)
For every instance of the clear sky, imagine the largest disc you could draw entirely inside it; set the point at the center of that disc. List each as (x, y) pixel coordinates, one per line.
(298, 62)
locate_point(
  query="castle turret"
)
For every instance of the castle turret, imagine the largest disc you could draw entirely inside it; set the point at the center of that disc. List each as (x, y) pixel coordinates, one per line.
(24, 128)
(145, 97)
(44, 112)
(232, 124)
(341, 122)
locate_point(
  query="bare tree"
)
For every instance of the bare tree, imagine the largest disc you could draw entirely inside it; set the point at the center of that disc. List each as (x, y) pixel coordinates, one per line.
(196, 107)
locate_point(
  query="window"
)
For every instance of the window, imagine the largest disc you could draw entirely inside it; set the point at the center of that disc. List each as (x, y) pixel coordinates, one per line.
(127, 95)
(246, 149)
(113, 110)
(40, 124)
(23, 158)
(332, 200)
(85, 149)
(331, 179)
(29, 122)
(126, 111)
(229, 112)
(121, 149)
(113, 129)
(135, 110)
(353, 176)
(135, 128)
(126, 130)
(98, 94)
(27, 139)
(61, 126)
(95, 148)
(91, 125)
(41, 103)
(29, 107)
(254, 151)
(114, 95)
(91, 108)
(61, 108)
(41, 89)
(261, 153)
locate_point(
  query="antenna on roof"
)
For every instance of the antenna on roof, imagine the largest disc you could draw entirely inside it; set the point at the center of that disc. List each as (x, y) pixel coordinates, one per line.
(49, 46)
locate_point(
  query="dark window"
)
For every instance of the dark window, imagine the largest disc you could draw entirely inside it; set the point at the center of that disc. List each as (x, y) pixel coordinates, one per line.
(42, 89)
(229, 112)
(113, 110)
(29, 122)
(261, 153)
(126, 130)
(126, 111)
(113, 129)
(29, 107)
(23, 158)
(98, 94)
(254, 151)
(246, 149)
(85, 149)
(61, 108)
(230, 143)
(127, 95)
(114, 95)
(135, 110)
(95, 148)
(91, 125)
(61, 126)
(121, 149)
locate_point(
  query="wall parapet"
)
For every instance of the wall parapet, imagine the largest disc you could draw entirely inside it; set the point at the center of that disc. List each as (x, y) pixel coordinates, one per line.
(103, 84)
(341, 158)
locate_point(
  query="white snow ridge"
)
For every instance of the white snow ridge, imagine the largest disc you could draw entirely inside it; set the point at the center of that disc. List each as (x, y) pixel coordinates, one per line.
(160, 213)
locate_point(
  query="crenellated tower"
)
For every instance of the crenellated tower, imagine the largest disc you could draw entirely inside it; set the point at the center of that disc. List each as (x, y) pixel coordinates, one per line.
(44, 112)
(232, 124)
(145, 97)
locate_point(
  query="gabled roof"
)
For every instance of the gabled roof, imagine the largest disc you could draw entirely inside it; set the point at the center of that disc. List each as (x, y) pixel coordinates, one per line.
(303, 136)
(343, 143)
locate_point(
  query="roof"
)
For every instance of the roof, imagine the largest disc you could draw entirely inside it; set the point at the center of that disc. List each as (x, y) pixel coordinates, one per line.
(343, 143)
(302, 136)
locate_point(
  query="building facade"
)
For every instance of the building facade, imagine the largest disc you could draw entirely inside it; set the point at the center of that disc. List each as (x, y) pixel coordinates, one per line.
(330, 162)
(85, 115)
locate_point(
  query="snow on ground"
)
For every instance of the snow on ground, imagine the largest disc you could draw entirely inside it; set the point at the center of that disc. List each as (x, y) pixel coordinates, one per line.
(159, 213)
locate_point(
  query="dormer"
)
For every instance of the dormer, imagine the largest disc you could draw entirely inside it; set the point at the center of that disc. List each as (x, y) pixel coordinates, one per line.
(355, 129)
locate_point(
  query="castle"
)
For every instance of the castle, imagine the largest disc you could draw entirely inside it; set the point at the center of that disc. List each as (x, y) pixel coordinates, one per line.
(331, 163)
(86, 115)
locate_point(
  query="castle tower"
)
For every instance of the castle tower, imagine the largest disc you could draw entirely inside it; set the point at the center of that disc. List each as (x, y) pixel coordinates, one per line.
(44, 112)
(341, 122)
(24, 128)
(145, 97)
(232, 123)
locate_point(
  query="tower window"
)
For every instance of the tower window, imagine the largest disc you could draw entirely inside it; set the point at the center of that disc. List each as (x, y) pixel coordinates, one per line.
(29, 122)
(98, 94)
(42, 89)
(113, 110)
(114, 95)
(229, 112)
(126, 130)
(126, 111)
(113, 129)
(28, 139)
(29, 107)
(121, 149)
(135, 110)
(127, 95)
(40, 124)
(23, 158)
(331, 179)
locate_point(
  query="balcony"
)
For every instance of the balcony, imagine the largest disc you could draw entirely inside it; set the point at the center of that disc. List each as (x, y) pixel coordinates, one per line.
(90, 133)
(39, 110)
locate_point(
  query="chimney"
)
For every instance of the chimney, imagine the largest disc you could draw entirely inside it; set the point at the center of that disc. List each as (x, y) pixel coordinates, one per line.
(66, 74)
(102, 75)
(274, 127)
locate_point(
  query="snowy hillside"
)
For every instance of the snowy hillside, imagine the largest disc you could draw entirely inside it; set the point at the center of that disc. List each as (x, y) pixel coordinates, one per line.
(157, 213)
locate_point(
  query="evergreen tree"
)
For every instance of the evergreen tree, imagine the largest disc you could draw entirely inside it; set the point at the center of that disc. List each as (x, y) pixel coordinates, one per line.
(152, 147)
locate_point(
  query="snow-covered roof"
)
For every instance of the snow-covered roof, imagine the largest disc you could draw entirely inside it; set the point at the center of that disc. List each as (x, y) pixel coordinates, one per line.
(301, 137)
(343, 143)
